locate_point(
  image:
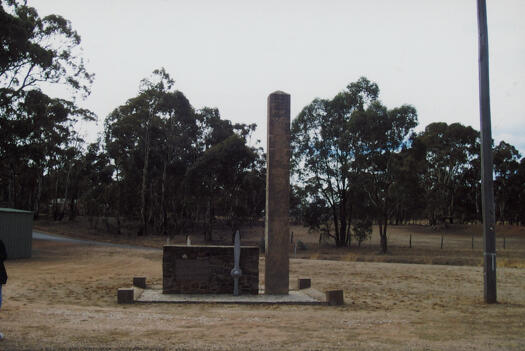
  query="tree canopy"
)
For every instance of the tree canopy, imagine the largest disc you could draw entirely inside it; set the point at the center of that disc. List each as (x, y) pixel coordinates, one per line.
(37, 131)
(344, 147)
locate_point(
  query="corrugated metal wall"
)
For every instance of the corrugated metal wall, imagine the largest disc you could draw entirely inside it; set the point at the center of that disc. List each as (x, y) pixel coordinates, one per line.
(16, 231)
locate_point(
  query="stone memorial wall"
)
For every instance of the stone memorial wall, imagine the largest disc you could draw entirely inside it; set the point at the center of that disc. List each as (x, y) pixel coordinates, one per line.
(206, 270)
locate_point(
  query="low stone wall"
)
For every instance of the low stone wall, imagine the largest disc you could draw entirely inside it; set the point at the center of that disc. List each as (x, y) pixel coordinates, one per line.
(206, 270)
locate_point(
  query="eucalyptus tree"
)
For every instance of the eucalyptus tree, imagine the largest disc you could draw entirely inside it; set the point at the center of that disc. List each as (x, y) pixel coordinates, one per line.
(507, 184)
(228, 176)
(408, 186)
(324, 151)
(93, 182)
(520, 209)
(252, 192)
(177, 149)
(35, 51)
(128, 141)
(34, 127)
(158, 125)
(381, 135)
(451, 151)
(33, 143)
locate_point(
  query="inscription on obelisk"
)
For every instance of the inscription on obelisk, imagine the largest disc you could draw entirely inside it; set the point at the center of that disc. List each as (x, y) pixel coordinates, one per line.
(277, 194)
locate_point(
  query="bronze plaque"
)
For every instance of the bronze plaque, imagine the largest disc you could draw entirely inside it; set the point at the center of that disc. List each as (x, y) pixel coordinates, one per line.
(192, 270)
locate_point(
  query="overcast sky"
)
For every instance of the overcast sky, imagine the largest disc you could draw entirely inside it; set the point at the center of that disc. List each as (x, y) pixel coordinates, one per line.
(231, 54)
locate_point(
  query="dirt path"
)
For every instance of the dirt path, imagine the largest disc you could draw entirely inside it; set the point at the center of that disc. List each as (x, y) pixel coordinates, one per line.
(65, 297)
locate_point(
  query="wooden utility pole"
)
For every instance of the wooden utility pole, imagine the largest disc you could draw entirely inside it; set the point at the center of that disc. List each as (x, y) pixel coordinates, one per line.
(487, 187)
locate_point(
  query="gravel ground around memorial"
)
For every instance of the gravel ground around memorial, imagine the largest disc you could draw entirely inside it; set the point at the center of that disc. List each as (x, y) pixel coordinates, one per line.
(65, 298)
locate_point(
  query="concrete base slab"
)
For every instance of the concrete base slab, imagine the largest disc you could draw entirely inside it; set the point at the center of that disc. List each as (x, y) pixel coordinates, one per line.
(303, 297)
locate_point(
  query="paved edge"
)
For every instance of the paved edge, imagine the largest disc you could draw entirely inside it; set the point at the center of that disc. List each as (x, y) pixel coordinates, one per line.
(303, 297)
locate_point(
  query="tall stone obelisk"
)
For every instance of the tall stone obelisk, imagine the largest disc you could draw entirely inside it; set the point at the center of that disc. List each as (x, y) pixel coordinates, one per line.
(277, 229)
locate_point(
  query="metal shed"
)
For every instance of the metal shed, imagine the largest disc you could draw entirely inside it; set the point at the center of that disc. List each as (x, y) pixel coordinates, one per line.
(16, 231)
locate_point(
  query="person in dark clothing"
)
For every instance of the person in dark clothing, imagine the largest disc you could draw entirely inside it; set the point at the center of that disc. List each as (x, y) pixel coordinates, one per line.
(3, 273)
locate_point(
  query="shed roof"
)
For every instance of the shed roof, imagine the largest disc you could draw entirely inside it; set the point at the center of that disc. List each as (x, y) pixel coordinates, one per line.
(14, 210)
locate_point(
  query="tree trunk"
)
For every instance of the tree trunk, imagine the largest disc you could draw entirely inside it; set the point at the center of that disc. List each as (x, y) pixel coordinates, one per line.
(348, 242)
(73, 207)
(477, 204)
(382, 233)
(55, 200)
(502, 212)
(11, 199)
(38, 195)
(143, 210)
(383, 237)
(151, 204)
(63, 209)
(209, 221)
(336, 225)
(342, 220)
(118, 200)
(164, 212)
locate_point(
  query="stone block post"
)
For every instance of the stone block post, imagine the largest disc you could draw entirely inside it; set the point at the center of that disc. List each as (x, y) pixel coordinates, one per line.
(277, 236)
(125, 295)
(335, 298)
(139, 282)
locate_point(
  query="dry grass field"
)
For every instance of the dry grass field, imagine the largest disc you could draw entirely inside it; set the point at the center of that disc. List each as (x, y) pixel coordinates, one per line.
(65, 298)
(462, 243)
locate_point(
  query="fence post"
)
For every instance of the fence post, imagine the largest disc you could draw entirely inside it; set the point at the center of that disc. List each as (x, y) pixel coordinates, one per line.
(442, 241)
(410, 242)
